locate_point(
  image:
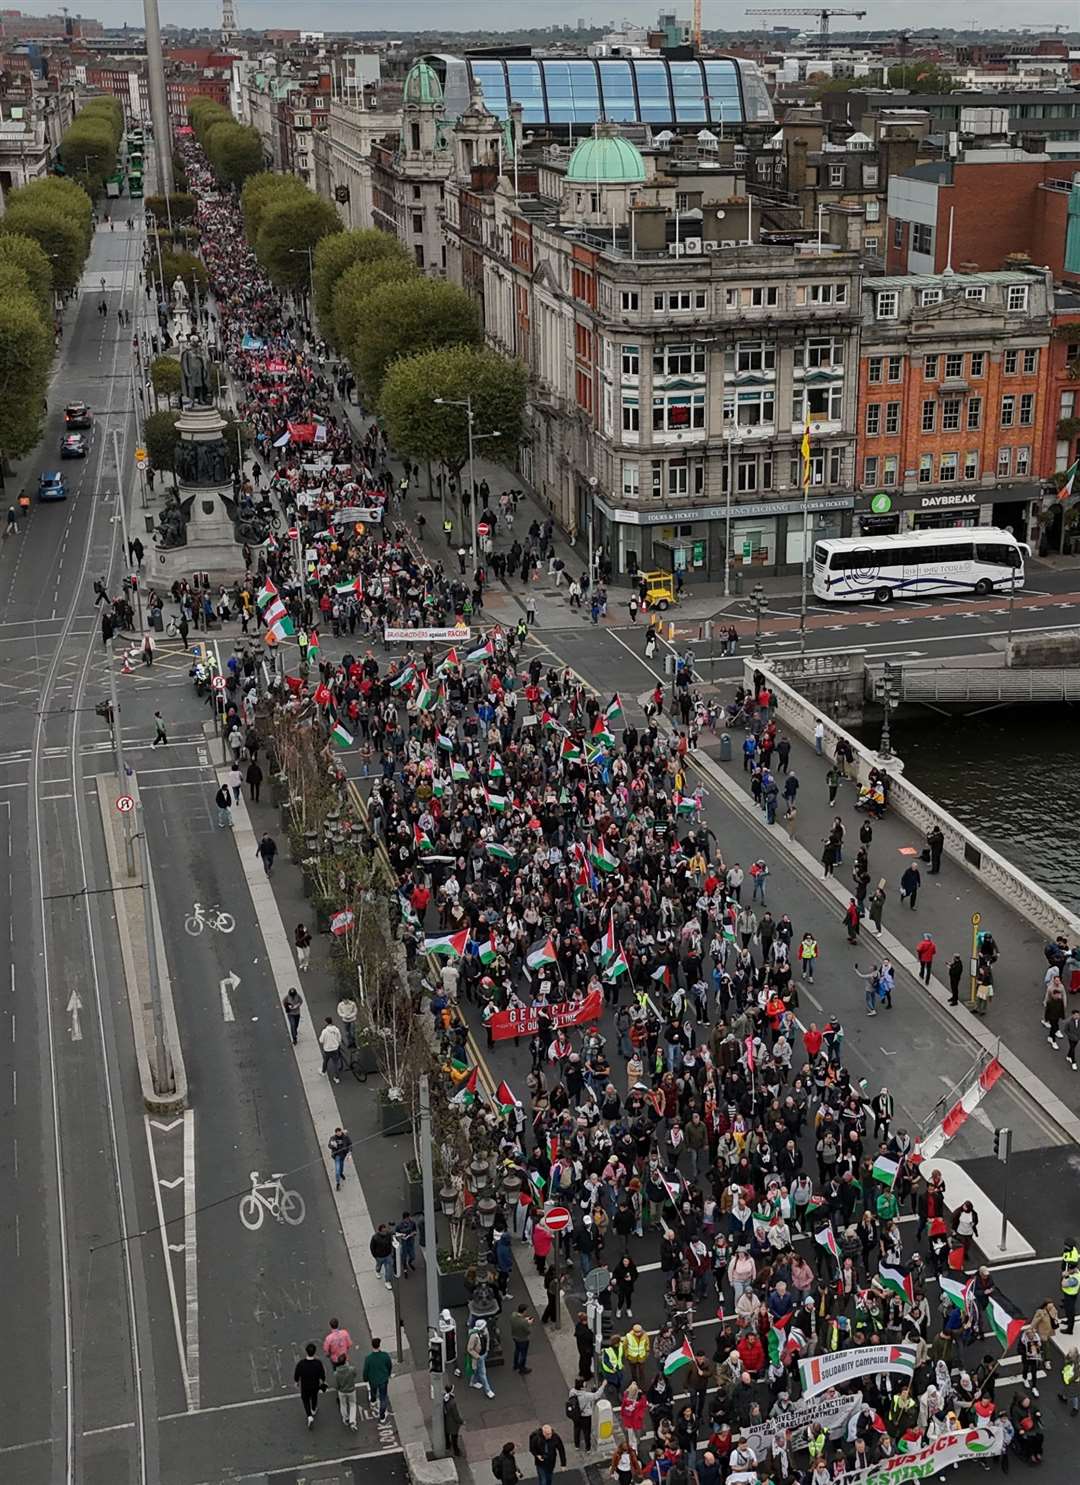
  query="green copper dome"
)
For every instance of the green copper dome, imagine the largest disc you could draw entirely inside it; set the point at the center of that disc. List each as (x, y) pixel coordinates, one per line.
(422, 85)
(608, 159)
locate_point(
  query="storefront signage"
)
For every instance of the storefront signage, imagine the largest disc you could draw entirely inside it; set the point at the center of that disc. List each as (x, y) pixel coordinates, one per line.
(719, 512)
(881, 504)
(930, 502)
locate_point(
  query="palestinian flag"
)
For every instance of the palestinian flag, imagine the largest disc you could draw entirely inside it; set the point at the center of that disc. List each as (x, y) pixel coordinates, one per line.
(496, 802)
(551, 723)
(450, 659)
(541, 953)
(505, 1098)
(661, 975)
(498, 852)
(601, 736)
(496, 771)
(956, 1293)
(342, 921)
(488, 952)
(618, 967)
(444, 742)
(449, 946)
(356, 586)
(404, 678)
(582, 884)
(537, 1182)
(613, 716)
(826, 1239)
(608, 947)
(265, 593)
(341, 737)
(685, 806)
(684, 1356)
(420, 839)
(1006, 1327)
(886, 1171)
(898, 1280)
(459, 773)
(427, 697)
(570, 752)
(601, 858)
(775, 1342)
(485, 652)
(466, 1095)
(439, 787)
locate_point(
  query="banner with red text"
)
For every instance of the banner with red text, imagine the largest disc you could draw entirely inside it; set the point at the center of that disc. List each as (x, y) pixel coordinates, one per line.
(521, 1020)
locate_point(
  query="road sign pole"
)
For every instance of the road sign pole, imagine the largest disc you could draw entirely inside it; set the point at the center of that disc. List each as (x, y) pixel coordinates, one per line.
(121, 765)
(556, 1297)
(431, 1277)
(976, 919)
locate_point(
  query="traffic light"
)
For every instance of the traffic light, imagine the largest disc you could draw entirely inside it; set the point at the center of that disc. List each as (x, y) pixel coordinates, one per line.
(436, 1352)
(1002, 1143)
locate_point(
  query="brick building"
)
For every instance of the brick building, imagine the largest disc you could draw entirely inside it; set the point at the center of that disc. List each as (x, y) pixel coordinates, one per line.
(987, 205)
(952, 401)
(1061, 433)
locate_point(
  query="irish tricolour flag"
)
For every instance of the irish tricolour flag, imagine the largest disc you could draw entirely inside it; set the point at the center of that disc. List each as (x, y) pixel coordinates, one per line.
(684, 1356)
(449, 946)
(541, 953)
(1069, 486)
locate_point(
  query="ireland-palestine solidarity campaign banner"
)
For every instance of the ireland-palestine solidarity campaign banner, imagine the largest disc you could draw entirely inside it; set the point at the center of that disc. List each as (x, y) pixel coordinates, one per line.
(921, 1464)
(835, 1368)
(521, 1020)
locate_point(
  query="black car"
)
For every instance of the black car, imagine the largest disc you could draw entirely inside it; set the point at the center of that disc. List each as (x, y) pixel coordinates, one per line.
(78, 415)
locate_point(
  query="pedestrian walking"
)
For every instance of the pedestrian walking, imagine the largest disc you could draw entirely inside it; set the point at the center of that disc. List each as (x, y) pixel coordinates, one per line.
(808, 952)
(340, 1147)
(253, 779)
(521, 1324)
(381, 1247)
(956, 974)
(337, 1343)
(377, 1369)
(406, 1233)
(935, 842)
(872, 979)
(293, 1004)
(302, 940)
(310, 1378)
(476, 1352)
(160, 733)
(266, 850)
(330, 1042)
(579, 1409)
(1070, 1289)
(832, 784)
(451, 1419)
(223, 800)
(650, 643)
(504, 1466)
(345, 1382)
(548, 1452)
(1072, 1037)
(1054, 1009)
(877, 907)
(236, 783)
(925, 950)
(910, 883)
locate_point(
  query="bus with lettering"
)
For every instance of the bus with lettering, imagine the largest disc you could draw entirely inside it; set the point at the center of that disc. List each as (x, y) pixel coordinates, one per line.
(918, 564)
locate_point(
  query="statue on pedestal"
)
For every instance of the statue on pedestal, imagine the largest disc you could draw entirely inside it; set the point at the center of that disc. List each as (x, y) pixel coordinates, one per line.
(172, 522)
(195, 375)
(180, 312)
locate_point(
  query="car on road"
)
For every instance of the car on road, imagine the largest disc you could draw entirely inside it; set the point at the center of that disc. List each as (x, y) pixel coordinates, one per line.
(73, 446)
(51, 485)
(78, 415)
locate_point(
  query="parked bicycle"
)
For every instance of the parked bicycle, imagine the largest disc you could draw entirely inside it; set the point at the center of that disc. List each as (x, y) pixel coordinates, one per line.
(270, 1196)
(200, 918)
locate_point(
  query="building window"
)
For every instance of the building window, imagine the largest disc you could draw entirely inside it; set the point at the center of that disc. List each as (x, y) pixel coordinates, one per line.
(418, 223)
(417, 194)
(869, 177)
(1027, 409)
(871, 246)
(658, 479)
(922, 240)
(677, 412)
(1008, 410)
(873, 419)
(887, 304)
(1068, 404)
(872, 211)
(761, 297)
(976, 293)
(896, 368)
(1011, 359)
(631, 417)
(870, 468)
(873, 368)
(819, 351)
(629, 300)
(629, 480)
(1031, 361)
(929, 415)
(978, 364)
(930, 368)
(898, 234)
(836, 175)
(889, 466)
(679, 360)
(947, 468)
(823, 403)
(756, 407)
(974, 412)
(930, 296)
(826, 294)
(631, 361)
(1004, 464)
(419, 251)
(746, 475)
(1016, 298)
(755, 355)
(950, 414)
(971, 465)
(1023, 460)
(954, 367)
(892, 417)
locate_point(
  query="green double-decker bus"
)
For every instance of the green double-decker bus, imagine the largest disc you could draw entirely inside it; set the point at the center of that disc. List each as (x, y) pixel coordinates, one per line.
(134, 182)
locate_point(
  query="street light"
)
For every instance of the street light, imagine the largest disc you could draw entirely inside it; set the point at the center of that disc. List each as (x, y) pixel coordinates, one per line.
(466, 403)
(307, 253)
(1012, 606)
(758, 596)
(888, 694)
(733, 435)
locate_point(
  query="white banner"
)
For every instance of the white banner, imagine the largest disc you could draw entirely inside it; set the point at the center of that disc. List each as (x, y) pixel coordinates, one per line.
(921, 1464)
(348, 515)
(834, 1368)
(456, 636)
(832, 1412)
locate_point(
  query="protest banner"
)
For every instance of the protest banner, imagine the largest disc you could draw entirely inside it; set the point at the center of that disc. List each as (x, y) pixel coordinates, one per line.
(455, 636)
(922, 1464)
(834, 1368)
(349, 515)
(831, 1411)
(521, 1020)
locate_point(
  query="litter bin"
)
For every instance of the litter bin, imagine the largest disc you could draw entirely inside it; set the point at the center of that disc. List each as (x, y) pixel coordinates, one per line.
(669, 663)
(725, 747)
(736, 584)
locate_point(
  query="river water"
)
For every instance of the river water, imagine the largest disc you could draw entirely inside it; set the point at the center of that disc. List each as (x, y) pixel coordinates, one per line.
(1012, 776)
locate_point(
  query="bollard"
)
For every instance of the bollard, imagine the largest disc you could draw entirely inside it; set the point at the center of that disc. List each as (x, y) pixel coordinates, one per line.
(669, 664)
(725, 747)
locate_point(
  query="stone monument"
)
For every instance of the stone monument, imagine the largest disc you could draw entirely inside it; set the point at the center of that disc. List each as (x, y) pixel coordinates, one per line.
(180, 312)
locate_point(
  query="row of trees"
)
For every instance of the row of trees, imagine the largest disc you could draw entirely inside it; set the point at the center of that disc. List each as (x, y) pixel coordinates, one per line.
(284, 221)
(233, 150)
(91, 143)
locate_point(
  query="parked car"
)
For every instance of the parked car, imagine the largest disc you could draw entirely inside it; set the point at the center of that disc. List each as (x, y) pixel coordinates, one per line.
(78, 415)
(51, 485)
(73, 446)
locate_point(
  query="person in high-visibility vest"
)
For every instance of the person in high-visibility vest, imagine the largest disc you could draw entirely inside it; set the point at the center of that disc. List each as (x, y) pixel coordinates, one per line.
(611, 1366)
(1070, 1288)
(448, 530)
(1070, 1381)
(1070, 1257)
(637, 1346)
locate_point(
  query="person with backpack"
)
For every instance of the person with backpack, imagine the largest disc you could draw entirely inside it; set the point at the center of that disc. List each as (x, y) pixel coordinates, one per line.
(579, 1409)
(504, 1466)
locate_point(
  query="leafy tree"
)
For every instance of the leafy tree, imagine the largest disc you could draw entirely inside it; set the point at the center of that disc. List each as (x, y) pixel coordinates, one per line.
(338, 252)
(160, 438)
(287, 228)
(165, 376)
(920, 77)
(416, 425)
(62, 196)
(235, 151)
(26, 349)
(58, 237)
(260, 190)
(180, 206)
(88, 151)
(354, 286)
(25, 253)
(839, 85)
(176, 265)
(404, 319)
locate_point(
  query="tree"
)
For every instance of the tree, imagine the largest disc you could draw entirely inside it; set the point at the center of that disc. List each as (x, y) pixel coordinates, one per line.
(338, 252)
(165, 376)
(416, 425)
(88, 148)
(58, 237)
(353, 288)
(235, 151)
(62, 196)
(259, 191)
(26, 349)
(920, 77)
(160, 438)
(404, 319)
(176, 265)
(180, 207)
(288, 227)
(25, 253)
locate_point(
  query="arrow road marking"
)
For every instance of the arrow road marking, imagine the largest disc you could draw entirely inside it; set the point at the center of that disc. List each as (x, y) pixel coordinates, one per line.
(171, 1185)
(177, 1247)
(74, 1006)
(230, 982)
(166, 1128)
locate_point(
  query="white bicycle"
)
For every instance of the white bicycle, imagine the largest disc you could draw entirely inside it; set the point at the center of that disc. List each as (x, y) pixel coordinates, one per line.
(270, 1196)
(200, 918)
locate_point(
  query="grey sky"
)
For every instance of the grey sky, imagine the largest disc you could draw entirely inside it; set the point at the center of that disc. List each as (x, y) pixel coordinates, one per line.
(497, 14)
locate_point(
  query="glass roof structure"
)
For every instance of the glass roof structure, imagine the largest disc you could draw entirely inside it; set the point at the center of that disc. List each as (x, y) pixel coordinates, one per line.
(580, 91)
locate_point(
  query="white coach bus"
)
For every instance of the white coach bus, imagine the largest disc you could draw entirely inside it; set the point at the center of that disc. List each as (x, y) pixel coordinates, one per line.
(914, 564)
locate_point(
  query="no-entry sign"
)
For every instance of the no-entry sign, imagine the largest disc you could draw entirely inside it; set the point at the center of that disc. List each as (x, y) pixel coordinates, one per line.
(557, 1219)
(125, 803)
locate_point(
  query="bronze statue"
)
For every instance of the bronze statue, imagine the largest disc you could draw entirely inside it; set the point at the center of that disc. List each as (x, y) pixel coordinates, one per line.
(195, 376)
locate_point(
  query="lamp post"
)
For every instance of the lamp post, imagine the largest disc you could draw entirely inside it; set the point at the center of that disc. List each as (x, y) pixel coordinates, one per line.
(591, 526)
(733, 436)
(758, 596)
(1012, 606)
(309, 255)
(474, 438)
(888, 694)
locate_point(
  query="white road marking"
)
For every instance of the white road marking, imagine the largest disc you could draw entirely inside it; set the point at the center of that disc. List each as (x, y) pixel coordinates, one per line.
(170, 1278)
(191, 1264)
(170, 1185)
(74, 1006)
(230, 982)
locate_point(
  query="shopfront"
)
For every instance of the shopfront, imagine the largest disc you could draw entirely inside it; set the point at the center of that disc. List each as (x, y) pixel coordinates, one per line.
(1010, 507)
(766, 536)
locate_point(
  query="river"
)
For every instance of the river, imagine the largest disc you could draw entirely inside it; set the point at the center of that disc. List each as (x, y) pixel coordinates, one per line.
(1012, 776)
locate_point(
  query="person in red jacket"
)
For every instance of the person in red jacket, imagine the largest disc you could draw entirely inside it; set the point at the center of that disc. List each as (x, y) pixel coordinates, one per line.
(925, 950)
(812, 1040)
(851, 921)
(541, 1241)
(751, 1352)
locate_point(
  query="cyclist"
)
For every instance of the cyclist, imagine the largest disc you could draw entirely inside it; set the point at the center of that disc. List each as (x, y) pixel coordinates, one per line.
(24, 504)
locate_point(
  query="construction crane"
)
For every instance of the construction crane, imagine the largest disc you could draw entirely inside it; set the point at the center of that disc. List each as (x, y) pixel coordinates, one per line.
(823, 14)
(695, 25)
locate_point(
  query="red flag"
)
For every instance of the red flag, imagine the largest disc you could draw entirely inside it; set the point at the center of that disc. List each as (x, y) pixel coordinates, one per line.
(750, 1053)
(295, 684)
(322, 694)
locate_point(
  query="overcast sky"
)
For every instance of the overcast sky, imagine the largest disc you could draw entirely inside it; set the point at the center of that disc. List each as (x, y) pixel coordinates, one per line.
(361, 15)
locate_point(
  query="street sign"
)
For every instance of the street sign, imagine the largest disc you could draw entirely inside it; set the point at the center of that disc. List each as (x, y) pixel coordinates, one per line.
(557, 1219)
(218, 683)
(125, 803)
(597, 1280)
(293, 533)
(140, 456)
(976, 919)
(482, 528)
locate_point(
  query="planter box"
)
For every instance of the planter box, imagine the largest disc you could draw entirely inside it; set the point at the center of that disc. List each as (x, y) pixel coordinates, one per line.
(322, 919)
(452, 1292)
(394, 1118)
(412, 1190)
(365, 1059)
(309, 883)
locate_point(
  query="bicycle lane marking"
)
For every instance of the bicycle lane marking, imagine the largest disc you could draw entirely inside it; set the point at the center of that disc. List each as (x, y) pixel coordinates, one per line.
(182, 1341)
